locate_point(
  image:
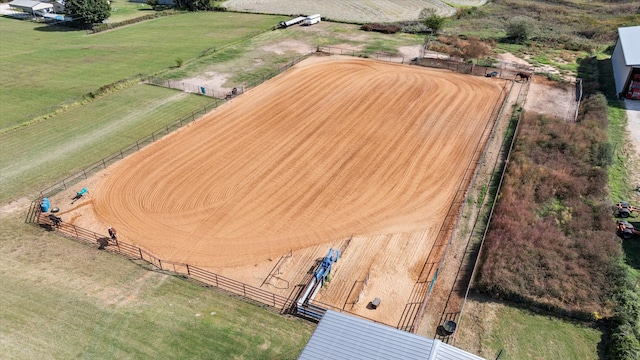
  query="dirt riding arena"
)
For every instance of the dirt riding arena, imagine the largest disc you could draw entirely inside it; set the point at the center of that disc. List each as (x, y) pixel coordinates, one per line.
(338, 152)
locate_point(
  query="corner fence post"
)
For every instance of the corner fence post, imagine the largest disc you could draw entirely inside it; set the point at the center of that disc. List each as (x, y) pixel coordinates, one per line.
(188, 272)
(140, 250)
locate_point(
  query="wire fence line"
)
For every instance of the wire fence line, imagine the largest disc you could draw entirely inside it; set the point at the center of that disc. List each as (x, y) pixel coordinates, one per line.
(224, 93)
(331, 50)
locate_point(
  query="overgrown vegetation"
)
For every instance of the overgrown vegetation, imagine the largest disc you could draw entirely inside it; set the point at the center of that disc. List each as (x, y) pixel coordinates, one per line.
(559, 33)
(382, 28)
(550, 242)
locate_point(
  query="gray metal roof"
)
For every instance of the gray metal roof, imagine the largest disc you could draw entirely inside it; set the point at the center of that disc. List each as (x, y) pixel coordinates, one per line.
(629, 38)
(340, 336)
(30, 4)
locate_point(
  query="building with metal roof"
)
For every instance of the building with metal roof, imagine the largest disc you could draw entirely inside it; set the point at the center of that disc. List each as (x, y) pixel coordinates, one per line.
(340, 336)
(32, 7)
(626, 62)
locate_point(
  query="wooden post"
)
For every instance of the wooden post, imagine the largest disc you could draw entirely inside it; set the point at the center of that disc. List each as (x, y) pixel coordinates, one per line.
(188, 272)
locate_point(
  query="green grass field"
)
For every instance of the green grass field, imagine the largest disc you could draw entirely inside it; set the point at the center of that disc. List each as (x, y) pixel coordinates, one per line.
(64, 300)
(488, 327)
(124, 10)
(42, 153)
(43, 66)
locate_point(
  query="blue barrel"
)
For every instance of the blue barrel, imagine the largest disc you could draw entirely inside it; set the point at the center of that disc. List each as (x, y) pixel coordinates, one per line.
(45, 205)
(203, 90)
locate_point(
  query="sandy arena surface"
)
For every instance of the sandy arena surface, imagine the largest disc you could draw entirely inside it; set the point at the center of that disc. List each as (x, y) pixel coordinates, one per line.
(334, 149)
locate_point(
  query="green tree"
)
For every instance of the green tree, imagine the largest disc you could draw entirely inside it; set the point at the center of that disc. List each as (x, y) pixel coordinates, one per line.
(153, 4)
(197, 5)
(520, 29)
(431, 19)
(87, 12)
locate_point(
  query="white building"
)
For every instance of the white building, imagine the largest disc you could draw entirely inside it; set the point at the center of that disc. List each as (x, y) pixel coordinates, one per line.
(626, 63)
(35, 8)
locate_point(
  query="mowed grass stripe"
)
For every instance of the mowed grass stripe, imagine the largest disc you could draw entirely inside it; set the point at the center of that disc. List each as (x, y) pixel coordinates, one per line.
(43, 66)
(41, 154)
(65, 300)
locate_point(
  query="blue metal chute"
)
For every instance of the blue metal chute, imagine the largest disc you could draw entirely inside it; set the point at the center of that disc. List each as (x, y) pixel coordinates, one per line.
(45, 205)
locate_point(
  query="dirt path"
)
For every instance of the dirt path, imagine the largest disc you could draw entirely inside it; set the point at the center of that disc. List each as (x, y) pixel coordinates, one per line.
(335, 148)
(633, 130)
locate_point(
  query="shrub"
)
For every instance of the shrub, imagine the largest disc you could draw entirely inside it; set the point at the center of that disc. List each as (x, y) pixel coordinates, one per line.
(431, 20)
(520, 29)
(383, 28)
(549, 244)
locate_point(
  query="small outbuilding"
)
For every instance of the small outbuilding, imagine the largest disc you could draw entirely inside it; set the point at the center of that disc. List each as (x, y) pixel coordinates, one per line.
(36, 8)
(626, 63)
(340, 336)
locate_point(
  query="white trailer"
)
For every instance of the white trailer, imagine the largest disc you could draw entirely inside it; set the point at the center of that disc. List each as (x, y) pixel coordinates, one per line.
(312, 19)
(285, 24)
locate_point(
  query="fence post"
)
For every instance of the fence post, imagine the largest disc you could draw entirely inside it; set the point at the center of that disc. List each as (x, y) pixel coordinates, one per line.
(85, 173)
(274, 300)
(217, 281)
(244, 291)
(140, 250)
(188, 272)
(137, 145)
(121, 155)
(63, 184)
(160, 264)
(103, 164)
(76, 230)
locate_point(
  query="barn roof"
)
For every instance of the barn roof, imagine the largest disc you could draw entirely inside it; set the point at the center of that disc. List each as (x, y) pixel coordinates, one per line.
(30, 4)
(340, 336)
(629, 38)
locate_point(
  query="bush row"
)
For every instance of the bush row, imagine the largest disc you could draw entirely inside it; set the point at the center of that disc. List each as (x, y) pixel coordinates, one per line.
(108, 26)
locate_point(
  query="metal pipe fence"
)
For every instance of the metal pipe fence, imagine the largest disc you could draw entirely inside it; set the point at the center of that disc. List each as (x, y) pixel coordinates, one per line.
(511, 142)
(454, 212)
(198, 275)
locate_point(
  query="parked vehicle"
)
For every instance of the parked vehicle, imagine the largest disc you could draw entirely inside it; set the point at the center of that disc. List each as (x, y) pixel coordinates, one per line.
(492, 74)
(312, 19)
(286, 24)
